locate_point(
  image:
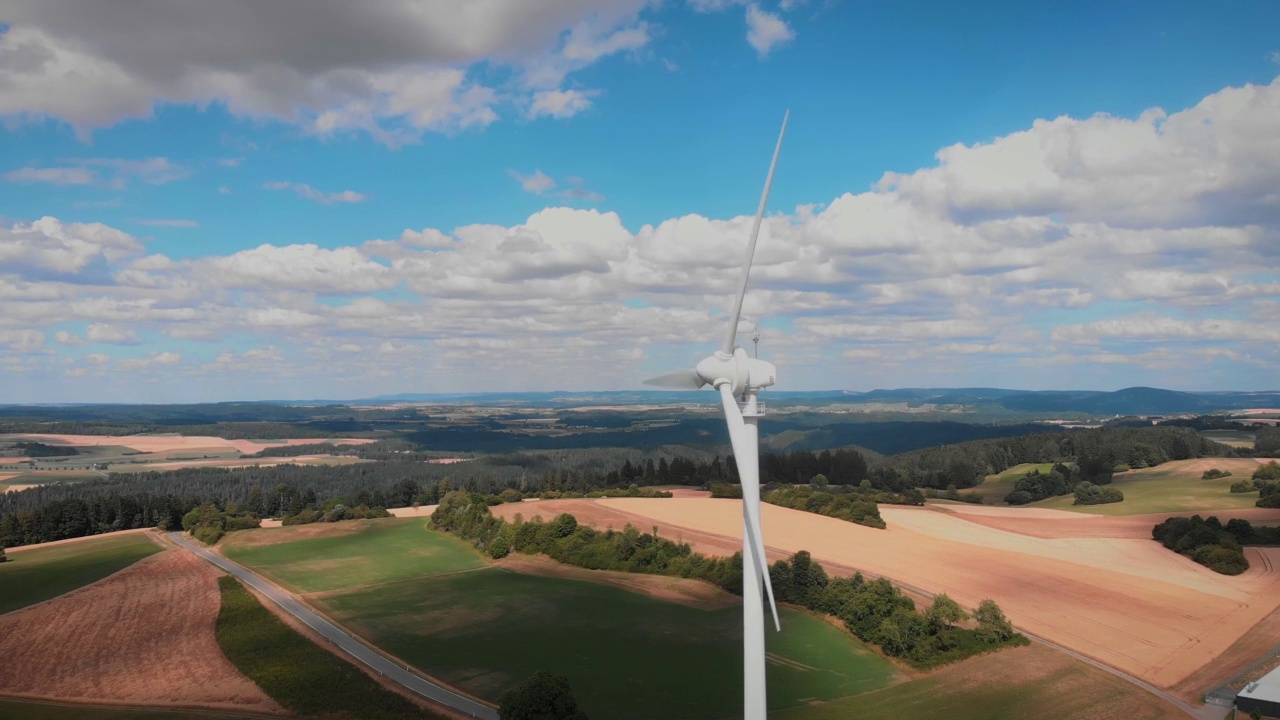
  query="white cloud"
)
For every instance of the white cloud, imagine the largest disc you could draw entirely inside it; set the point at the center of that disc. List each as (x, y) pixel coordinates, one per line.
(52, 175)
(560, 103)
(51, 245)
(537, 183)
(105, 333)
(297, 267)
(307, 192)
(401, 69)
(159, 359)
(65, 338)
(950, 275)
(765, 30)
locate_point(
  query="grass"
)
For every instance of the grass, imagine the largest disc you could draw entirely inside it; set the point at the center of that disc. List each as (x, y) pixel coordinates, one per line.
(358, 553)
(1163, 489)
(32, 576)
(627, 656)
(295, 672)
(1030, 682)
(995, 487)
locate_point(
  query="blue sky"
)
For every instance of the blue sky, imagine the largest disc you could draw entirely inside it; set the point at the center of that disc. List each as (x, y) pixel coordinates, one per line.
(188, 199)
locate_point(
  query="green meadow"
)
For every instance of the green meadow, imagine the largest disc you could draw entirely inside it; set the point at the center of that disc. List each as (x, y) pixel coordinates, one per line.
(627, 656)
(1168, 488)
(32, 576)
(350, 554)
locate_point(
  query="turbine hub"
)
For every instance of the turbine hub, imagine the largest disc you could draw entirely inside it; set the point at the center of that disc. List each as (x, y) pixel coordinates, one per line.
(739, 370)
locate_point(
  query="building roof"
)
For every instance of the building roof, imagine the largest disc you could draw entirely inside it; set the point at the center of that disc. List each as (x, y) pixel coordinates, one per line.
(1265, 688)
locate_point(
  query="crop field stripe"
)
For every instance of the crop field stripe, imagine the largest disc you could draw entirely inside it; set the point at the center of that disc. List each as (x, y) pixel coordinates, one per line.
(297, 673)
(33, 576)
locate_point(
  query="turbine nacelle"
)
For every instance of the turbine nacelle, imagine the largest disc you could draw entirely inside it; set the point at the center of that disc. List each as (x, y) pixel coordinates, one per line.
(739, 370)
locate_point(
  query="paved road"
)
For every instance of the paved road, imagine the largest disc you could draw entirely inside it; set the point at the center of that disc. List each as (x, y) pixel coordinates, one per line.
(349, 644)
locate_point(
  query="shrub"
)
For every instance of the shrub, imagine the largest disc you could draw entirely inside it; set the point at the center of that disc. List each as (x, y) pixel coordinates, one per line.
(854, 507)
(1270, 471)
(2, 557)
(544, 696)
(725, 490)
(1089, 494)
(1243, 486)
(1214, 474)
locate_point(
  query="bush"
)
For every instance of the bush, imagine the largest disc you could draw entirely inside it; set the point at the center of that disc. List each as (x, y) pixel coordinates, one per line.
(544, 696)
(854, 508)
(1243, 486)
(2, 557)
(1270, 471)
(1089, 494)
(725, 490)
(1214, 474)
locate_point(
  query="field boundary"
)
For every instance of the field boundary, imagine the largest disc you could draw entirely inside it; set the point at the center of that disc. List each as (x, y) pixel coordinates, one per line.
(146, 709)
(353, 646)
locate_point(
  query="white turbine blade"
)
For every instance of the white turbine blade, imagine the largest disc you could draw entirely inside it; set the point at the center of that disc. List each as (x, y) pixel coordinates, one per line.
(748, 460)
(731, 334)
(679, 380)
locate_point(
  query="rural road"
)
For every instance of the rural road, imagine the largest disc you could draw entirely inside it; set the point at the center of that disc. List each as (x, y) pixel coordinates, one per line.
(349, 644)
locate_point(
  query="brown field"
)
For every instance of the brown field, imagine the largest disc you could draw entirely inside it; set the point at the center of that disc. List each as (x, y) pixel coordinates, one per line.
(1095, 585)
(692, 593)
(141, 637)
(248, 462)
(420, 511)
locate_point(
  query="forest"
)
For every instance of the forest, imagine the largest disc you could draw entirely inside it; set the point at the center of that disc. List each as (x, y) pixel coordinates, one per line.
(397, 474)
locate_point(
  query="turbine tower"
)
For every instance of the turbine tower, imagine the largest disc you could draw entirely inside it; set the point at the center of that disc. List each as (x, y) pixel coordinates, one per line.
(737, 375)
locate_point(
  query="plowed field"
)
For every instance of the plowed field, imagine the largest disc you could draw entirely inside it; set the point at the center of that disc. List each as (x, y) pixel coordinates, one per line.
(142, 637)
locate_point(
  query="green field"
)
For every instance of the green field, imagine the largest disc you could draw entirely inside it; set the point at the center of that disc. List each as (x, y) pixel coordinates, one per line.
(995, 487)
(300, 675)
(626, 655)
(32, 576)
(352, 554)
(1166, 489)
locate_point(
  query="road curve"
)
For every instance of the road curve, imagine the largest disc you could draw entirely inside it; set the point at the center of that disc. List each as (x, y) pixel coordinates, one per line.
(348, 643)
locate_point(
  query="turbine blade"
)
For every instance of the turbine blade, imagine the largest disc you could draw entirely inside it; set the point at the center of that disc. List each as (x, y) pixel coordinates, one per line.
(679, 380)
(731, 334)
(748, 459)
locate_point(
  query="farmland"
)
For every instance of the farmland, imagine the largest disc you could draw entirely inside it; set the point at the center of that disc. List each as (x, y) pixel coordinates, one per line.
(40, 573)
(1067, 584)
(143, 636)
(629, 654)
(1028, 682)
(1172, 487)
(315, 558)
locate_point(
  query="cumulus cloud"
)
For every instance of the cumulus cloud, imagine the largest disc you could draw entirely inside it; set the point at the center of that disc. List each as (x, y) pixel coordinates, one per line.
(560, 103)
(307, 192)
(539, 183)
(1001, 260)
(766, 30)
(388, 68)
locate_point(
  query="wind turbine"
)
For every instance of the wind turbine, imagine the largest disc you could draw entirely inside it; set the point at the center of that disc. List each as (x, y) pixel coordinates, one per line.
(735, 374)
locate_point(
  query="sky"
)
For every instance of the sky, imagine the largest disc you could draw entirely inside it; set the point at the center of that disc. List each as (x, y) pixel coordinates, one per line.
(322, 199)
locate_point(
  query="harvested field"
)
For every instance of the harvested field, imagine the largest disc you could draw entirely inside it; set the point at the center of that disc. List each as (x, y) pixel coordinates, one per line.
(17, 487)
(1013, 684)
(682, 591)
(1124, 601)
(239, 462)
(1264, 637)
(144, 636)
(420, 511)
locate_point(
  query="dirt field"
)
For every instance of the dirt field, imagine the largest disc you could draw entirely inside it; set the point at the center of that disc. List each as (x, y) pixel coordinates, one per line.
(420, 511)
(1090, 584)
(692, 593)
(142, 637)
